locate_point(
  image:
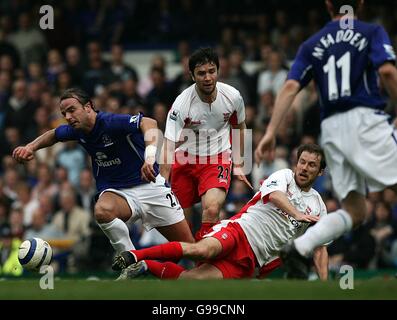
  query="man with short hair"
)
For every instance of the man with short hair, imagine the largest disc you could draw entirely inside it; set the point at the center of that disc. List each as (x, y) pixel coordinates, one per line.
(123, 163)
(283, 209)
(199, 124)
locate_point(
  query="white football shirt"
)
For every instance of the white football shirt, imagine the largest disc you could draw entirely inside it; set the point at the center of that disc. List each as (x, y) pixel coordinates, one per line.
(205, 126)
(267, 227)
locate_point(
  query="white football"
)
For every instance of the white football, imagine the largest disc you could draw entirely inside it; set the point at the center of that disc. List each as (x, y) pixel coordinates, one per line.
(34, 253)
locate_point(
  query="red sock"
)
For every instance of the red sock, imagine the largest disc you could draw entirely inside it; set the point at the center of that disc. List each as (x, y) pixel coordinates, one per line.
(166, 251)
(164, 270)
(205, 228)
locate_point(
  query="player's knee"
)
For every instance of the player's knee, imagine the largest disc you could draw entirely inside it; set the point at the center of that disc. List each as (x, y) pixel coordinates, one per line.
(212, 211)
(104, 212)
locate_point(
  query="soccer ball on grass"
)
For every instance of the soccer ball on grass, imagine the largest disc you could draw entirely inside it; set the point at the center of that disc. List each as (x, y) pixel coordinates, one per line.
(34, 253)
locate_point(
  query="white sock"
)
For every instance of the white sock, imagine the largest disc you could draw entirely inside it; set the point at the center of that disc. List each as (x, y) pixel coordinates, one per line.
(118, 234)
(328, 228)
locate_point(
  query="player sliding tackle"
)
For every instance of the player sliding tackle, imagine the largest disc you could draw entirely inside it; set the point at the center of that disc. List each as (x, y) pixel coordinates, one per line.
(283, 209)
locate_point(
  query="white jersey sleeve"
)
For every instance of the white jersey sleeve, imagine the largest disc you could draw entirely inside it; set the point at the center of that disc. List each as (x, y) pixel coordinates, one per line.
(323, 210)
(174, 124)
(277, 181)
(240, 110)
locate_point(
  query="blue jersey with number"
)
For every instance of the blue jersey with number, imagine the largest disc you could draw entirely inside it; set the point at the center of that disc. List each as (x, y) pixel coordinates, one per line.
(344, 62)
(116, 146)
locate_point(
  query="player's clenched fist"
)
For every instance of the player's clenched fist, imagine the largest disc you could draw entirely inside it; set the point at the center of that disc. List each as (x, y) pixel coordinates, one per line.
(23, 154)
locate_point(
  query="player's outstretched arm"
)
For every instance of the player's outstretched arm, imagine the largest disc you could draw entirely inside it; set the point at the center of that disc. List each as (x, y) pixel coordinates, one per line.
(284, 99)
(280, 200)
(26, 153)
(320, 259)
(150, 132)
(388, 75)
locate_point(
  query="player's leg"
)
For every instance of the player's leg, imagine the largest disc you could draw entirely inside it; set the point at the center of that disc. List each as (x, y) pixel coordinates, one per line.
(179, 231)
(184, 186)
(171, 270)
(212, 201)
(236, 260)
(189, 216)
(207, 248)
(214, 182)
(161, 210)
(111, 211)
(334, 224)
(202, 272)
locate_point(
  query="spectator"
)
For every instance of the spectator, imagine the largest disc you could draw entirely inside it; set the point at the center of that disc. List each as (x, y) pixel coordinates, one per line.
(16, 109)
(118, 71)
(73, 158)
(384, 231)
(86, 190)
(45, 183)
(9, 264)
(29, 41)
(74, 65)
(40, 228)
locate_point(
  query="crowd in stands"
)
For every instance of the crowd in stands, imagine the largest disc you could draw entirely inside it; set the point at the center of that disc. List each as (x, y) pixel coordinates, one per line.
(52, 197)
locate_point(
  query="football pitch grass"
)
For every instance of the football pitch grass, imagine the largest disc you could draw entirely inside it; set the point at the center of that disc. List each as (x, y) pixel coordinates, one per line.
(153, 289)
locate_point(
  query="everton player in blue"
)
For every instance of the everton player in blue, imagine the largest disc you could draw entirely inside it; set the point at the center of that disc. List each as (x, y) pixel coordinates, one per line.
(123, 162)
(347, 59)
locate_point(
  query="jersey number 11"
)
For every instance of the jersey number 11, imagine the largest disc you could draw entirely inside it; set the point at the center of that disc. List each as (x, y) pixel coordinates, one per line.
(344, 64)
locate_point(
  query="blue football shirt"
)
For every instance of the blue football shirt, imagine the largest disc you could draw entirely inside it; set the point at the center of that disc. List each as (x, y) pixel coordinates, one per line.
(343, 63)
(116, 146)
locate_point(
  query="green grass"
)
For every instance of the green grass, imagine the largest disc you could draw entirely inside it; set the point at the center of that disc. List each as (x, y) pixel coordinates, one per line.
(152, 289)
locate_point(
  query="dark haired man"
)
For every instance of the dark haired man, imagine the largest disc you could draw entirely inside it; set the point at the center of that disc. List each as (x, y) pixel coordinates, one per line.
(282, 210)
(123, 163)
(199, 124)
(346, 59)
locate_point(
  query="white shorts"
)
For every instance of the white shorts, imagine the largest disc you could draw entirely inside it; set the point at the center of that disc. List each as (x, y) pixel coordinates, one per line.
(361, 151)
(153, 203)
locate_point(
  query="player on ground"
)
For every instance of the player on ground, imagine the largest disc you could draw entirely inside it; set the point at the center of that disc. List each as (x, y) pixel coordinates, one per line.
(282, 210)
(346, 58)
(199, 125)
(120, 157)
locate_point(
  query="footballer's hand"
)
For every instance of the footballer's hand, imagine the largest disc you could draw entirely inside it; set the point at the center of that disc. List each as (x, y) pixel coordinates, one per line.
(265, 148)
(238, 172)
(24, 153)
(147, 171)
(306, 218)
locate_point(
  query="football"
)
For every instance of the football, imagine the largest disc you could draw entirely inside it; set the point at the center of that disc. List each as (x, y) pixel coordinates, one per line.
(34, 253)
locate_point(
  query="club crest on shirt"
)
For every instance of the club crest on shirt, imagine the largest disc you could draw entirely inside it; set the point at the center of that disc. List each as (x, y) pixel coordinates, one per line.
(189, 122)
(106, 140)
